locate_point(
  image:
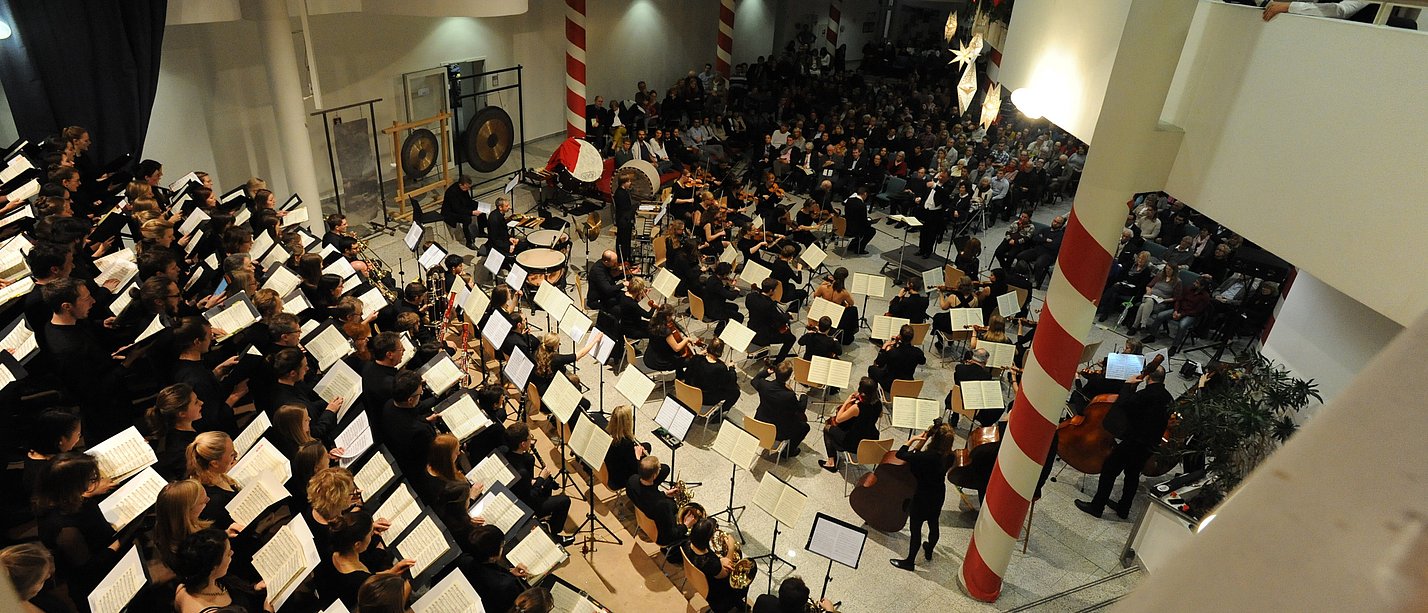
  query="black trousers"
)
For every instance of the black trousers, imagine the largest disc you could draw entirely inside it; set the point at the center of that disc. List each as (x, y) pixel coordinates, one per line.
(1126, 459)
(767, 339)
(916, 518)
(794, 434)
(859, 241)
(624, 240)
(933, 224)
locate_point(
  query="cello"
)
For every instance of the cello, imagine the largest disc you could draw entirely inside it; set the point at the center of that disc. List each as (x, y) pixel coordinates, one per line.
(1082, 440)
(881, 496)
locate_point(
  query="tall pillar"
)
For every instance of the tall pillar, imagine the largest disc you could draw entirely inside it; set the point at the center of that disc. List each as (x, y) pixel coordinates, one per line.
(575, 68)
(1128, 153)
(724, 54)
(276, 35)
(835, 15)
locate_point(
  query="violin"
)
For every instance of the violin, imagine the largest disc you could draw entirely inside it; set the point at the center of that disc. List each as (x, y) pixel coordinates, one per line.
(776, 190)
(678, 335)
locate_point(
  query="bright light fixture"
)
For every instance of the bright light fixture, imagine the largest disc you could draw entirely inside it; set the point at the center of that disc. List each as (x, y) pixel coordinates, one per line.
(1204, 522)
(5, 30)
(1029, 102)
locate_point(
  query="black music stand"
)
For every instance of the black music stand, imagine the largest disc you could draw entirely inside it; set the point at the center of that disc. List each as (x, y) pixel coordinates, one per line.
(830, 538)
(591, 520)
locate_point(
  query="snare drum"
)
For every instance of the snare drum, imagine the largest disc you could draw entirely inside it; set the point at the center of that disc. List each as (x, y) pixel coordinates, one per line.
(547, 239)
(542, 264)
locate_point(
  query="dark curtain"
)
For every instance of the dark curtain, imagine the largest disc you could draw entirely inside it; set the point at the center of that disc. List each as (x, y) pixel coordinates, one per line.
(91, 63)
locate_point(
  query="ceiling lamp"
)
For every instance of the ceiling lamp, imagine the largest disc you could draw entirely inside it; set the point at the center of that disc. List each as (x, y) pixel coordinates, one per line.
(1029, 102)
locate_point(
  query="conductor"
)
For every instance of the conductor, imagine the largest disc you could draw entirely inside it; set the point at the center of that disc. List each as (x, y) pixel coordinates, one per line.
(624, 219)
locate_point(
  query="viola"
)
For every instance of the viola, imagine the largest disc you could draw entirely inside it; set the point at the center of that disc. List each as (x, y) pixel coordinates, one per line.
(678, 335)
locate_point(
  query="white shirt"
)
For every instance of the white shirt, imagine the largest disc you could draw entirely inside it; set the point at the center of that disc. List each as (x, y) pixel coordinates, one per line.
(1333, 10)
(657, 149)
(779, 138)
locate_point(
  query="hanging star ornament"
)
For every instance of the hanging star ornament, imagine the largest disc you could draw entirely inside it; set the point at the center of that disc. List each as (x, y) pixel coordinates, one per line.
(963, 55)
(976, 45)
(967, 88)
(991, 105)
(950, 31)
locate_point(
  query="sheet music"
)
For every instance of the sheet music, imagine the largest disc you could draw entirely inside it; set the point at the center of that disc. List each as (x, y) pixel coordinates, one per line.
(292, 205)
(425, 545)
(590, 442)
(123, 454)
(118, 272)
(295, 216)
(999, 355)
(568, 600)
(340, 382)
(372, 301)
(375, 474)
(475, 304)
(408, 350)
(285, 559)
(120, 584)
(261, 462)
(309, 326)
(837, 541)
(275, 256)
(914, 413)
(820, 308)
(497, 328)
(561, 397)
(12, 265)
(754, 273)
(354, 440)
(17, 289)
(21, 341)
(737, 336)
(484, 207)
(295, 302)
(194, 241)
(340, 267)
(518, 368)
(131, 499)
(413, 237)
(729, 255)
(574, 323)
(242, 216)
(463, 417)
(965, 318)
(494, 261)
(604, 349)
(490, 471)
(537, 552)
(234, 317)
(933, 277)
(516, 278)
(261, 244)
(666, 283)
(453, 594)
(432, 257)
(830, 372)
(813, 256)
(911, 221)
(674, 418)
(400, 508)
(737, 446)
(253, 499)
(511, 185)
(779, 500)
(1122, 366)
(338, 607)
(634, 386)
(1008, 304)
(282, 280)
(886, 327)
(873, 286)
(499, 509)
(194, 218)
(441, 373)
(551, 299)
(460, 290)
(249, 436)
(7, 374)
(978, 395)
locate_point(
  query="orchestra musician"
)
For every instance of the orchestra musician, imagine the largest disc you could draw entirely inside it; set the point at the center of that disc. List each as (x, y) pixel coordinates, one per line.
(669, 347)
(854, 421)
(717, 380)
(414, 300)
(498, 236)
(606, 281)
(819, 340)
(793, 597)
(780, 406)
(910, 303)
(719, 290)
(658, 504)
(624, 218)
(722, 596)
(768, 321)
(833, 289)
(974, 368)
(790, 274)
(928, 458)
(897, 359)
(458, 208)
(859, 228)
(1138, 420)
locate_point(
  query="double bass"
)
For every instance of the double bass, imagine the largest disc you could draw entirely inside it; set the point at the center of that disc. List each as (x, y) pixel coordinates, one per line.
(881, 496)
(1083, 440)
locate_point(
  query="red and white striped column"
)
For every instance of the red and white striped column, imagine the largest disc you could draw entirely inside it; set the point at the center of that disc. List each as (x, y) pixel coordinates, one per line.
(724, 55)
(575, 68)
(834, 15)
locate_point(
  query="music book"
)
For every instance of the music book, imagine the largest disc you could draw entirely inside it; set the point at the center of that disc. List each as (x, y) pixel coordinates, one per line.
(286, 559)
(291, 204)
(605, 348)
(494, 261)
(295, 303)
(372, 301)
(475, 304)
(426, 544)
(308, 327)
(754, 273)
(780, 500)
(123, 455)
(500, 508)
(813, 256)
(496, 329)
(116, 269)
(873, 286)
(241, 216)
(965, 318)
(282, 280)
(453, 594)
(340, 381)
(820, 308)
(1122, 366)
(675, 418)
(432, 257)
(254, 499)
(1008, 305)
(354, 440)
(376, 473)
(737, 446)
(551, 299)
(329, 254)
(262, 242)
(232, 195)
(400, 509)
(666, 283)
(737, 336)
(336, 607)
(977, 395)
(340, 267)
(120, 584)
(932, 278)
(249, 436)
(16, 290)
(837, 540)
(516, 277)
(440, 374)
(408, 349)
(561, 397)
(27, 190)
(294, 216)
(518, 368)
(10, 369)
(19, 340)
(413, 237)
(109, 226)
(461, 415)
(191, 222)
(570, 599)
(262, 461)
(154, 327)
(130, 500)
(233, 316)
(574, 323)
(590, 442)
(634, 386)
(830, 372)
(183, 181)
(492, 470)
(912, 222)
(275, 256)
(537, 553)
(914, 413)
(729, 255)
(999, 355)
(887, 327)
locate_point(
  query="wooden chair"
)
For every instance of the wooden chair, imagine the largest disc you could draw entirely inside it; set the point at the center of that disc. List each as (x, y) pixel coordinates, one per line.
(870, 453)
(778, 293)
(661, 250)
(952, 275)
(840, 230)
(1088, 353)
(961, 409)
(919, 333)
(489, 362)
(650, 530)
(693, 577)
(693, 398)
(800, 374)
(696, 310)
(533, 406)
(767, 434)
(905, 388)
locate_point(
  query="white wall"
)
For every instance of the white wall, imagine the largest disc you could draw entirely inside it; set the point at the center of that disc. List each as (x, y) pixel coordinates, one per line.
(754, 22)
(1323, 335)
(854, 13)
(1306, 135)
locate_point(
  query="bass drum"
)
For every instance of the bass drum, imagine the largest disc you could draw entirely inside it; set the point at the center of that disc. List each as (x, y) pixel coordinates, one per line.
(542, 265)
(646, 184)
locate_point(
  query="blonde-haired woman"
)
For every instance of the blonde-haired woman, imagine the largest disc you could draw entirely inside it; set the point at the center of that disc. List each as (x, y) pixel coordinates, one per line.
(210, 456)
(178, 511)
(622, 460)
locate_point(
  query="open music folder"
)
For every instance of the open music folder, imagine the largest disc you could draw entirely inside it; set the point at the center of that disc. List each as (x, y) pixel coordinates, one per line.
(537, 552)
(492, 470)
(461, 415)
(561, 397)
(830, 372)
(914, 413)
(574, 323)
(261, 462)
(813, 256)
(1008, 304)
(496, 329)
(123, 455)
(666, 283)
(823, 308)
(1122, 366)
(340, 381)
(737, 446)
(965, 318)
(441, 373)
(400, 509)
(674, 418)
(737, 336)
(327, 344)
(249, 436)
(977, 395)
(254, 499)
(837, 540)
(570, 599)
(779, 499)
(426, 544)
(872, 286)
(286, 559)
(590, 442)
(282, 280)
(354, 440)
(516, 277)
(886, 327)
(130, 500)
(120, 584)
(376, 473)
(635, 386)
(500, 508)
(550, 299)
(474, 306)
(999, 355)
(453, 594)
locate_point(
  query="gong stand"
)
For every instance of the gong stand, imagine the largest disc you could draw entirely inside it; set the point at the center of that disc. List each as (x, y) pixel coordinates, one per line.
(468, 86)
(405, 171)
(332, 160)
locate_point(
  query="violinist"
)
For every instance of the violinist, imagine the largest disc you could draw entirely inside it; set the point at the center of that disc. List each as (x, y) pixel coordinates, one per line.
(713, 376)
(781, 406)
(625, 318)
(855, 420)
(1138, 420)
(819, 340)
(898, 359)
(833, 289)
(716, 233)
(808, 219)
(605, 277)
(719, 290)
(1094, 381)
(769, 194)
(910, 303)
(669, 348)
(928, 457)
(963, 296)
(768, 321)
(752, 240)
(683, 260)
(790, 273)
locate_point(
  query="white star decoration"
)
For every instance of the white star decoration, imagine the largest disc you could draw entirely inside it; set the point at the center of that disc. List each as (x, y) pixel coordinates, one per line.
(951, 30)
(967, 88)
(991, 105)
(976, 45)
(963, 55)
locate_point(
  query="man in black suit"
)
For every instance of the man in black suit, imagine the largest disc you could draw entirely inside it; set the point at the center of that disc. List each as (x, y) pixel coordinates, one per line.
(291, 366)
(1042, 249)
(1138, 420)
(658, 505)
(497, 586)
(933, 215)
(820, 342)
(458, 208)
(407, 424)
(379, 375)
(712, 376)
(769, 323)
(781, 407)
(718, 293)
(498, 236)
(859, 229)
(604, 281)
(624, 219)
(413, 300)
(910, 303)
(898, 359)
(974, 369)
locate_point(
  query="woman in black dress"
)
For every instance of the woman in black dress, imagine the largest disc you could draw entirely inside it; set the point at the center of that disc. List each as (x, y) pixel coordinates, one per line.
(668, 346)
(204, 584)
(341, 574)
(856, 419)
(623, 458)
(722, 596)
(70, 523)
(170, 423)
(927, 457)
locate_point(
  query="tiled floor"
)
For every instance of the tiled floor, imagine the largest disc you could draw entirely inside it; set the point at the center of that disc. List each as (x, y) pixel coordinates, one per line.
(1067, 548)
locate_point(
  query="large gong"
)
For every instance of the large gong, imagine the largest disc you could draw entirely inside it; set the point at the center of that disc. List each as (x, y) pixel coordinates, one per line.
(489, 138)
(419, 153)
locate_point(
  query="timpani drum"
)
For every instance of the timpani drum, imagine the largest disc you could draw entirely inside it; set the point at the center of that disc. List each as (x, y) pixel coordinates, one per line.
(542, 264)
(547, 239)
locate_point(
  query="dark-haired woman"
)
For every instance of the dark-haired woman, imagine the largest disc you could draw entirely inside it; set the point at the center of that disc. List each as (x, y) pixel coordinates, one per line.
(341, 575)
(202, 570)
